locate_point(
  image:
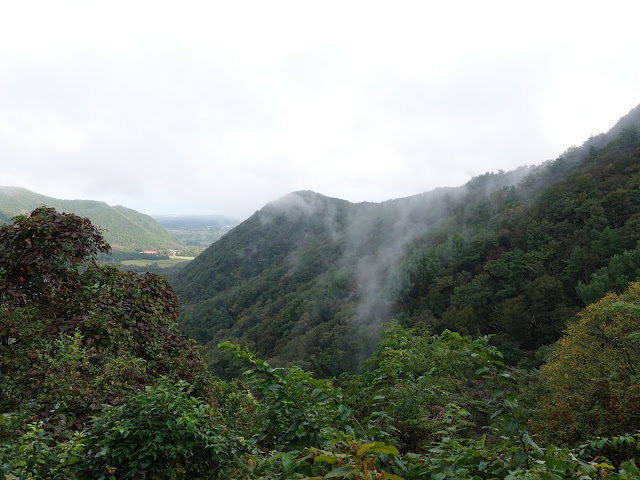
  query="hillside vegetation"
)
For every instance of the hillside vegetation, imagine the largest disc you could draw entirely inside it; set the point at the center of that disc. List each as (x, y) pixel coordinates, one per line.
(310, 280)
(97, 383)
(125, 229)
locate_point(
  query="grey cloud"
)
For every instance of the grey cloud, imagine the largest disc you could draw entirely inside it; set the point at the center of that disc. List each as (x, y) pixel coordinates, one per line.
(163, 108)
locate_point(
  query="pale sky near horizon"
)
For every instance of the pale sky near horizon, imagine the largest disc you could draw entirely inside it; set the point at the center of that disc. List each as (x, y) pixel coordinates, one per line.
(220, 107)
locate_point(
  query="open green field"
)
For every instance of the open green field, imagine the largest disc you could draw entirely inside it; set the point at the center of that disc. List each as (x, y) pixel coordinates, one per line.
(159, 263)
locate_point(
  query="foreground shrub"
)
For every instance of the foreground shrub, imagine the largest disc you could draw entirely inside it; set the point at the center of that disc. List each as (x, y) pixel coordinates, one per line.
(594, 372)
(162, 432)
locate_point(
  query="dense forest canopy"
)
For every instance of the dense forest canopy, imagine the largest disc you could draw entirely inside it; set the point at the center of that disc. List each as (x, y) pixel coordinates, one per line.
(97, 383)
(79, 339)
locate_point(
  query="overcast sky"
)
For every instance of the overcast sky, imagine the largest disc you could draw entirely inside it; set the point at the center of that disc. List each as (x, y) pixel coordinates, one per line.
(221, 107)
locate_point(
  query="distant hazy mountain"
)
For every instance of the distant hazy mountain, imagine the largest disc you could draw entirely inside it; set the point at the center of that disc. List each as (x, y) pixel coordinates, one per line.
(125, 229)
(309, 279)
(197, 232)
(215, 223)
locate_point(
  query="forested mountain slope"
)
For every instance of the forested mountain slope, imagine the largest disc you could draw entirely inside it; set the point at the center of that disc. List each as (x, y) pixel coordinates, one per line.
(124, 228)
(96, 382)
(310, 279)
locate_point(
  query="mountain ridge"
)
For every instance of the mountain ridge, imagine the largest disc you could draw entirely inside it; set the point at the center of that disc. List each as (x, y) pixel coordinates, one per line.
(124, 228)
(309, 279)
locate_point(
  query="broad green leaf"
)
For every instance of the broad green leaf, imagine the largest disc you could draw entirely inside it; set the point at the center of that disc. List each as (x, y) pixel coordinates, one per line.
(521, 457)
(326, 459)
(510, 401)
(511, 424)
(339, 472)
(391, 476)
(380, 447)
(557, 465)
(365, 448)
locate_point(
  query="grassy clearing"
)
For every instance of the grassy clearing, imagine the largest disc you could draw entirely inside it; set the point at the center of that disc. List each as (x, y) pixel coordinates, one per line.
(152, 262)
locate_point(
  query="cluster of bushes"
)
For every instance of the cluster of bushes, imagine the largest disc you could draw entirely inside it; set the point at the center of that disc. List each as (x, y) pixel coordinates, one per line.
(294, 426)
